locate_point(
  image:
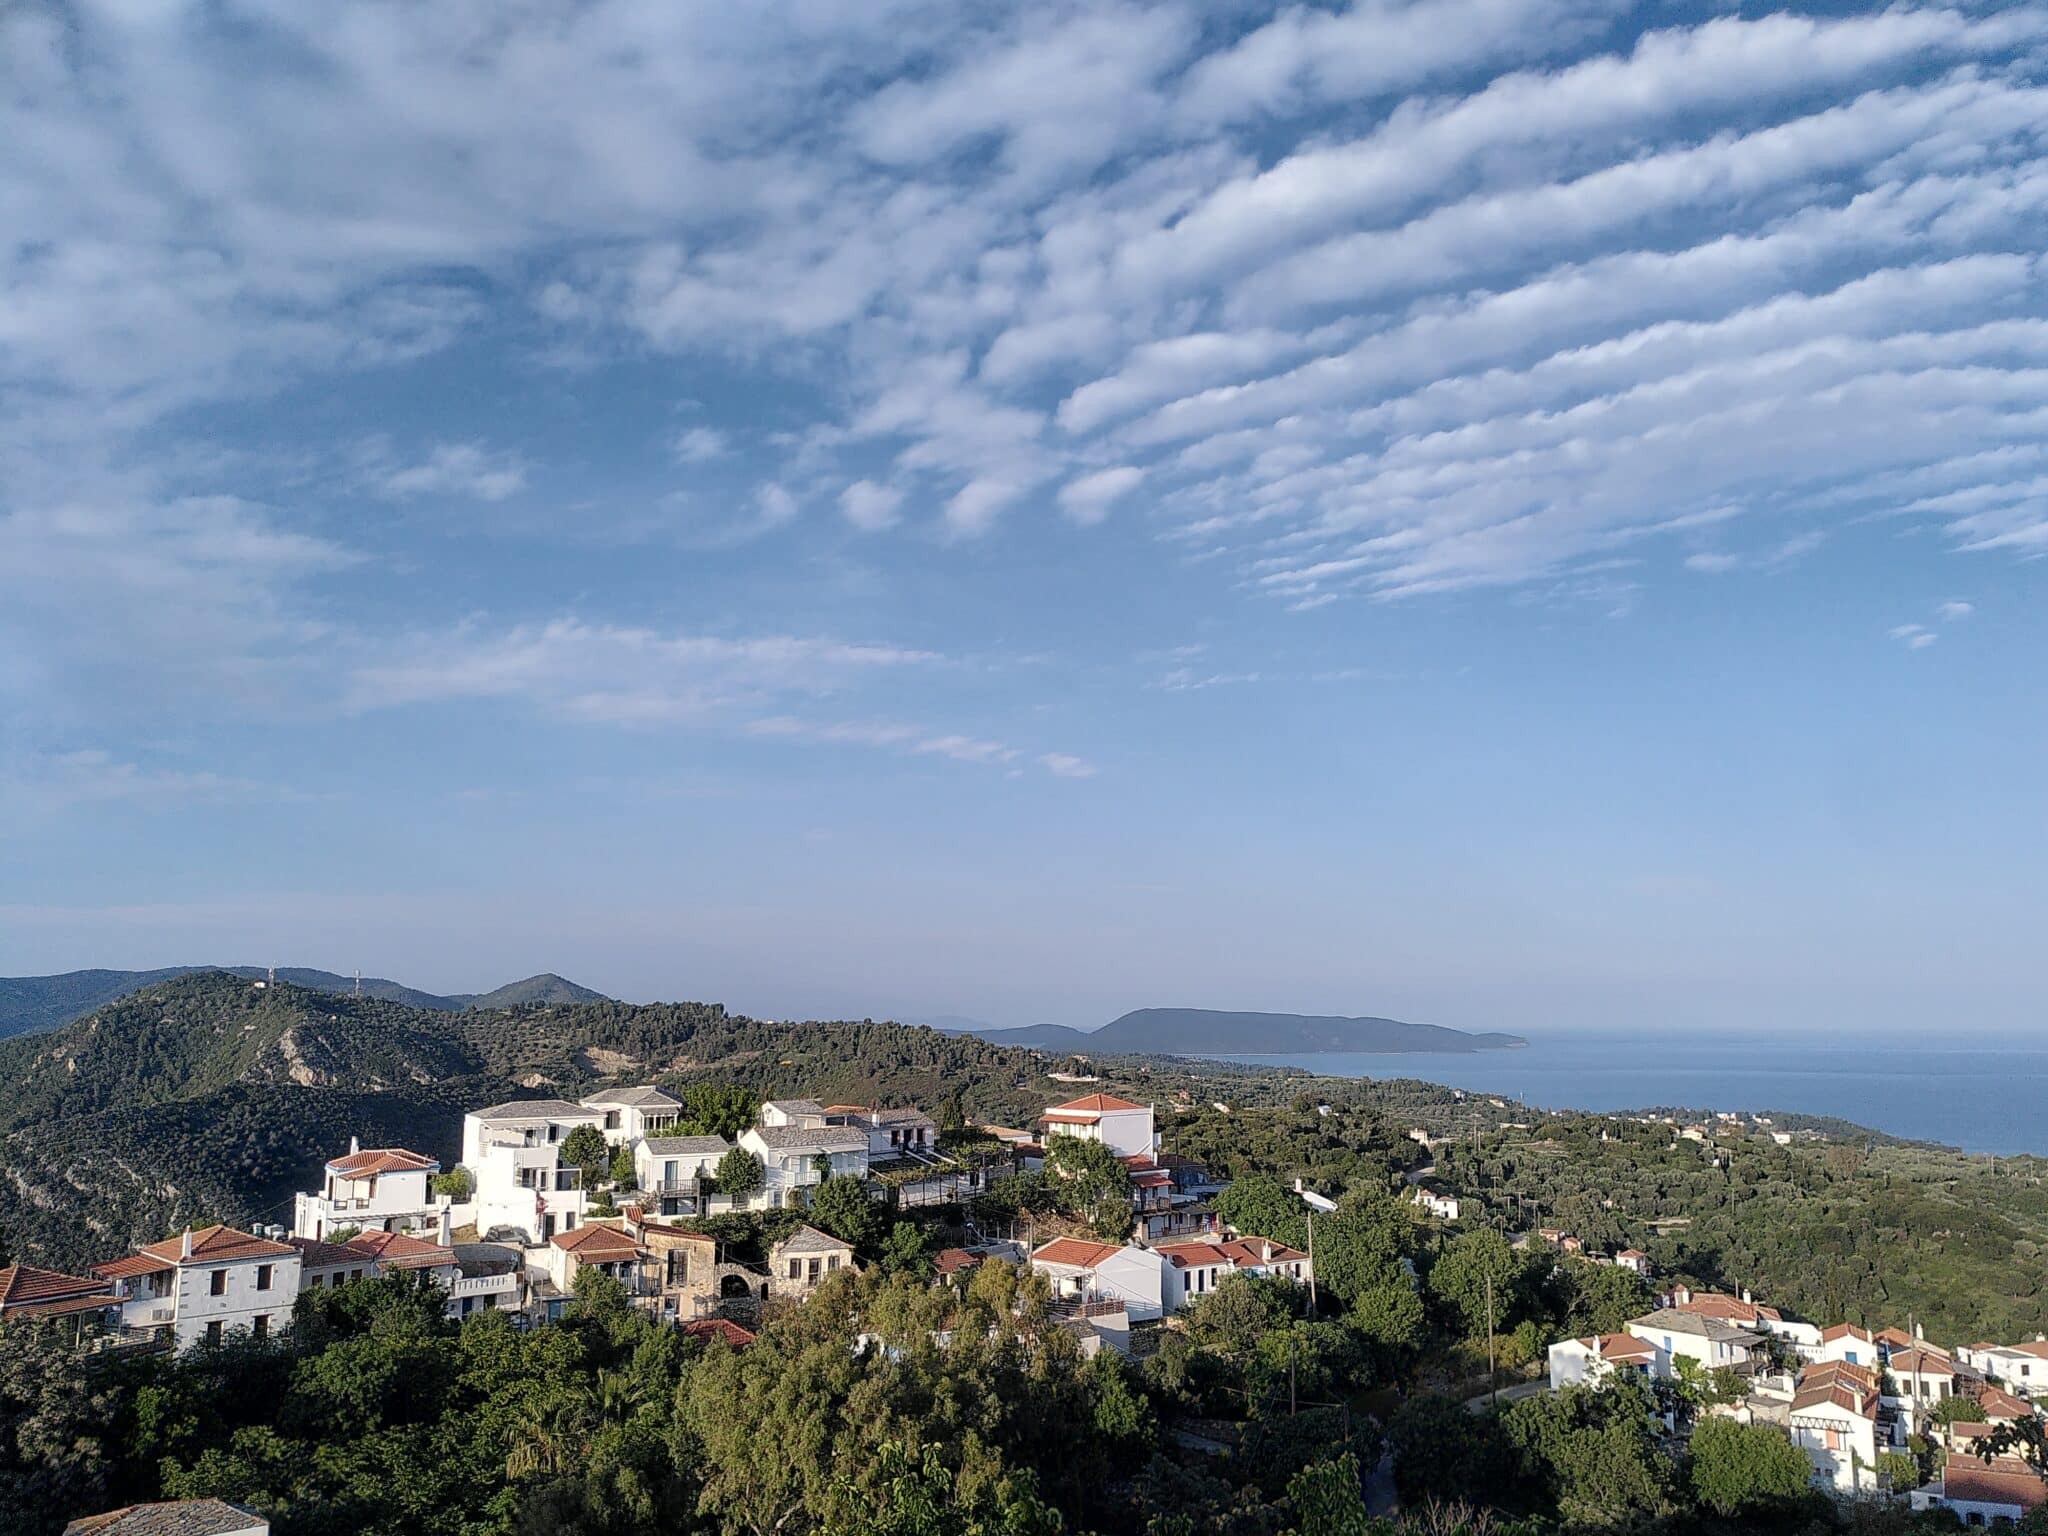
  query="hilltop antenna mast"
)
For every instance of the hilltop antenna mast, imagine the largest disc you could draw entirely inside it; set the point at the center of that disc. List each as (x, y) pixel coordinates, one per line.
(270, 976)
(359, 981)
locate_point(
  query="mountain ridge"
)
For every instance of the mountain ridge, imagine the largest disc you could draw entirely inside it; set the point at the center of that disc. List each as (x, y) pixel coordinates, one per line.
(35, 1004)
(1198, 1031)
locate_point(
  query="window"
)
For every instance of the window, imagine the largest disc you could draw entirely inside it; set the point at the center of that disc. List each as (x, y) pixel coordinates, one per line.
(263, 1274)
(796, 1268)
(832, 1262)
(813, 1275)
(213, 1331)
(611, 1120)
(355, 1274)
(217, 1283)
(262, 1325)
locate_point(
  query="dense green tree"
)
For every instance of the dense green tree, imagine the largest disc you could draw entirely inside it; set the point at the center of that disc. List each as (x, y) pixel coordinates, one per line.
(1593, 1452)
(1459, 1283)
(1390, 1322)
(738, 1173)
(457, 1184)
(1443, 1454)
(1327, 1501)
(1747, 1469)
(53, 1417)
(843, 1207)
(907, 1250)
(1360, 1248)
(622, 1172)
(716, 1109)
(1086, 1180)
(1233, 1318)
(585, 1148)
(1601, 1298)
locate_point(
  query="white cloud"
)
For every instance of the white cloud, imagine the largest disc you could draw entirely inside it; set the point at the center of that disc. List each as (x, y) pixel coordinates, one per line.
(871, 507)
(1062, 765)
(1954, 609)
(1916, 637)
(976, 505)
(1088, 498)
(458, 469)
(1712, 563)
(775, 504)
(699, 445)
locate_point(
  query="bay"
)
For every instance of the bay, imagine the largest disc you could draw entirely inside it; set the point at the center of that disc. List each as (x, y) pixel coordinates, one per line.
(1982, 1095)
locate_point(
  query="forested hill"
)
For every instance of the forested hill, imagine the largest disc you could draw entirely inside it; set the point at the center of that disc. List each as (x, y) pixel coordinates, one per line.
(206, 1096)
(32, 1003)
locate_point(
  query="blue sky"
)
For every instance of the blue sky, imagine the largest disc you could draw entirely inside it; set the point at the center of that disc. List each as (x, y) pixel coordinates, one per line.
(1514, 513)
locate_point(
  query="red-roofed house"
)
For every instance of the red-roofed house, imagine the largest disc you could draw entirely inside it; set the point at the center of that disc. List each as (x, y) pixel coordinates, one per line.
(1849, 1344)
(1594, 1357)
(1980, 1493)
(1634, 1259)
(1196, 1268)
(1834, 1420)
(2024, 1366)
(1122, 1126)
(719, 1328)
(1923, 1376)
(27, 1292)
(378, 1189)
(205, 1284)
(1081, 1270)
(594, 1245)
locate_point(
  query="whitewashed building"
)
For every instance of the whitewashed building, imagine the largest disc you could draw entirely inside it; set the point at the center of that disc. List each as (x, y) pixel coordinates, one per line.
(203, 1285)
(785, 1113)
(671, 1171)
(1124, 1127)
(796, 1159)
(1082, 1271)
(381, 1189)
(1588, 1361)
(1194, 1269)
(2023, 1367)
(1834, 1419)
(522, 1185)
(1708, 1341)
(1976, 1493)
(632, 1114)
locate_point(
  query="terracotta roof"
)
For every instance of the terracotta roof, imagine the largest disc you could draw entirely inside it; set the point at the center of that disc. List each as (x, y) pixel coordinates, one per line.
(129, 1266)
(22, 1287)
(1076, 1252)
(1730, 1309)
(210, 1245)
(375, 1160)
(1896, 1337)
(1631, 1253)
(180, 1517)
(2006, 1480)
(1997, 1403)
(401, 1250)
(1920, 1361)
(1151, 1178)
(595, 1243)
(1838, 1384)
(951, 1261)
(1618, 1346)
(1092, 1104)
(1961, 1429)
(1238, 1253)
(1845, 1331)
(2038, 1348)
(315, 1254)
(709, 1328)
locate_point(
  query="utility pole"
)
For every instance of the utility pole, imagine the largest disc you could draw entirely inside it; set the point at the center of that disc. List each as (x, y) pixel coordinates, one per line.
(1492, 1375)
(1312, 1261)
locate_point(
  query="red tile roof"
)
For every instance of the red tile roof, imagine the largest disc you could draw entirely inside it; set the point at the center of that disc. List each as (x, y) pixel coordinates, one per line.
(1091, 1105)
(129, 1266)
(1730, 1309)
(594, 1243)
(1619, 1346)
(1837, 1383)
(401, 1250)
(23, 1287)
(1998, 1403)
(210, 1245)
(1845, 1331)
(1076, 1252)
(1238, 1253)
(315, 1254)
(1920, 1361)
(375, 1160)
(709, 1328)
(2006, 1480)
(951, 1261)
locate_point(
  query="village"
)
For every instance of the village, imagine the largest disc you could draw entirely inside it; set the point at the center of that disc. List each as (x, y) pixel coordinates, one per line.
(549, 1191)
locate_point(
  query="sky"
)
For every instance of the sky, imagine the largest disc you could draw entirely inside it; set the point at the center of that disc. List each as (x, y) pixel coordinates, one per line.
(1516, 514)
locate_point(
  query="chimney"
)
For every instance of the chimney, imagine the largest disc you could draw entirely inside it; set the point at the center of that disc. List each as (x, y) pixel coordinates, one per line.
(1266, 1251)
(185, 1247)
(1747, 1299)
(354, 1146)
(1920, 1330)
(444, 1226)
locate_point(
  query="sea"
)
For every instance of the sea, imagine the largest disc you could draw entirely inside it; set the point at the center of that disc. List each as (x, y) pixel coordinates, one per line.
(1985, 1095)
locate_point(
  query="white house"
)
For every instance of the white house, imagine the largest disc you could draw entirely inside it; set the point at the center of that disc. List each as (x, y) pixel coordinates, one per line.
(173, 1517)
(1833, 1418)
(522, 1184)
(784, 1113)
(891, 1132)
(1442, 1207)
(1676, 1335)
(204, 1284)
(790, 1158)
(1635, 1260)
(1083, 1271)
(1592, 1359)
(1195, 1269)
(632, 1114)
(1125, 1128)
(592, 1246)
(1848, 1344)
(1978, 1493)
(1745, 1312)
(383, 1189)
(2020, 1366)
(671, 1170)
(1922, 1377)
